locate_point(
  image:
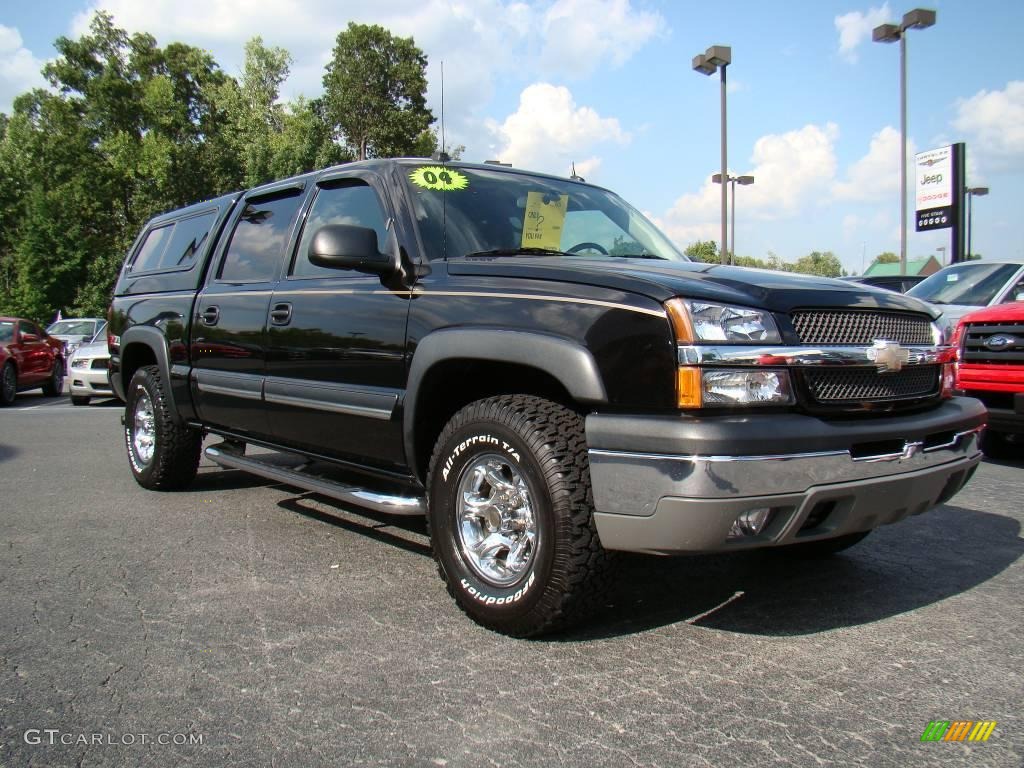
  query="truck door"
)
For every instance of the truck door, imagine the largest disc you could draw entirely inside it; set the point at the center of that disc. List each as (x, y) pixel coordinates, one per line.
(229, 323)
(336, 339)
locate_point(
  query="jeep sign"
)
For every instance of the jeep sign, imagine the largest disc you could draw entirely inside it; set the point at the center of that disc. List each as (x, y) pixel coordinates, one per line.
(934, 189)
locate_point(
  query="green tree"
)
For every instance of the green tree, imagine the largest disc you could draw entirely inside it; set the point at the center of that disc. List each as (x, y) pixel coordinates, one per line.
(703, 250)
(374, 91)
(824, 263)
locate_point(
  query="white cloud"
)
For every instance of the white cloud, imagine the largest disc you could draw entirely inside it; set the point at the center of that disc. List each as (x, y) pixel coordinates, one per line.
(876, 175)
(791, 172)
(479, 40)
(549, 131)
(580, 34)
(855, 28)
(993, 122)
(19, 69)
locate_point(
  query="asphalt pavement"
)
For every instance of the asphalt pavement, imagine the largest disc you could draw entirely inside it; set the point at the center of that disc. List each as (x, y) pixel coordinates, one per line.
(242, 623)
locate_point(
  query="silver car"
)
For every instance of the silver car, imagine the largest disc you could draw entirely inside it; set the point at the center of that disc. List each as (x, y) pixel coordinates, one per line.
(75, 331)
(89, 369)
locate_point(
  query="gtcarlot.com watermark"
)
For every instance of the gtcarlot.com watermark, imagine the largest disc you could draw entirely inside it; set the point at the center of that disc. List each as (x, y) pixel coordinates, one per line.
(54, 736)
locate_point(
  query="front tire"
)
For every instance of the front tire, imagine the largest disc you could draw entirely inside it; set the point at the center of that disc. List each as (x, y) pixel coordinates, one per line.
(163, 453)
(511, 516)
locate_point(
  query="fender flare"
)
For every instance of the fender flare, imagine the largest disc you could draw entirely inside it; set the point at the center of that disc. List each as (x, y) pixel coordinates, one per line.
(157, 343)
(569, 363)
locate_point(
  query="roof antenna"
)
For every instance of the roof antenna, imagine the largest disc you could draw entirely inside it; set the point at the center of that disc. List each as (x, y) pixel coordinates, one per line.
(442, 155)
(574, 177)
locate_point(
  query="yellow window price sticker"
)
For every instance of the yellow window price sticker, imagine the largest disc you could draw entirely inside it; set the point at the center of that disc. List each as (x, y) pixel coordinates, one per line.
(438, 177)
(542, 224)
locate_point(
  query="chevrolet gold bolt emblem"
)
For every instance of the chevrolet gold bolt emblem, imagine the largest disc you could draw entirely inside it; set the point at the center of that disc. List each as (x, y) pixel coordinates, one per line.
(889, 356)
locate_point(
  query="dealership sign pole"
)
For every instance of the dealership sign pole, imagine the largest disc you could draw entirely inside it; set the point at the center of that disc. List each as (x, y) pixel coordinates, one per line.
(939, 193)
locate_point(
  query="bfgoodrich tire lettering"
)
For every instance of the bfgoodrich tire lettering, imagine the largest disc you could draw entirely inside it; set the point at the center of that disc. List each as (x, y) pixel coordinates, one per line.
(163, 453)
(512, 465)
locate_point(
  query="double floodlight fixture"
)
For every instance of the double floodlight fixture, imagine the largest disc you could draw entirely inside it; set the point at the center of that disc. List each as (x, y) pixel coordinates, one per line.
(743, 180)
(919, 18)
(716, 56)
(977, 191)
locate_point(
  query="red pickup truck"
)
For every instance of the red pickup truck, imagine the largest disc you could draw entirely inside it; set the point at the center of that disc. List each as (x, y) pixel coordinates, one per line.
(991, 368)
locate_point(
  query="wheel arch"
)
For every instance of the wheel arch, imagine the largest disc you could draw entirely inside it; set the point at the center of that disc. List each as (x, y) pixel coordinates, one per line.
(451, 368)
(142, 346)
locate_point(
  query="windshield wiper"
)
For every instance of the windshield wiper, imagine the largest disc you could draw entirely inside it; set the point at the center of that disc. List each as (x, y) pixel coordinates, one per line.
(519, 252)
(639, 256)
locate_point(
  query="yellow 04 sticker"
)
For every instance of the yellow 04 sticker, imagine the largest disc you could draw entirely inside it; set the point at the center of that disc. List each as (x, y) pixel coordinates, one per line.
(438, 177)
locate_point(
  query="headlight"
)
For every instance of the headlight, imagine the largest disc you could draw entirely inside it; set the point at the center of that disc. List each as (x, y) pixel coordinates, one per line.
(744, 387)
(79, 362)
(697, 321)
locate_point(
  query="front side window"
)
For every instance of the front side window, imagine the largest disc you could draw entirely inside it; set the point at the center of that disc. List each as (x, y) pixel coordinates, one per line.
(351, 202)
(471, 211)
(6, 331)
(258, 242)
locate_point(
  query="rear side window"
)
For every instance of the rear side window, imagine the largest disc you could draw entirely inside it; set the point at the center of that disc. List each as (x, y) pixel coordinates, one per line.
(175, 245)
(258, 242)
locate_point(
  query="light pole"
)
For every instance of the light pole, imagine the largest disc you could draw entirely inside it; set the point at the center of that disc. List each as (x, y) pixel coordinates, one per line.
(942, 255)
(718, 57)
(919, 18)
(733, 181)
(969, 193)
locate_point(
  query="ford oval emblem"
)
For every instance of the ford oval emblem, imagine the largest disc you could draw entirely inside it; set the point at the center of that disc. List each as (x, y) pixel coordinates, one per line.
(1000, 341)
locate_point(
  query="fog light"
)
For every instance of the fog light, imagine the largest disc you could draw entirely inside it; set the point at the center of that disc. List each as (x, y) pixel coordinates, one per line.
(750, 523)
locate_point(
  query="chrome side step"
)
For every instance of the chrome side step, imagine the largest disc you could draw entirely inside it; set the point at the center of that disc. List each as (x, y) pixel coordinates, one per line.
(361, 497)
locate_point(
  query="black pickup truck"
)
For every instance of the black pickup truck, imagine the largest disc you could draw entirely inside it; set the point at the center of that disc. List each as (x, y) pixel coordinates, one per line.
(528, 362)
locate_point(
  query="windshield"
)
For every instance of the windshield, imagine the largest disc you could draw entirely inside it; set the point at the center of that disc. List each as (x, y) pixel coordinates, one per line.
(471, 211)
(974, 284)
(72, 328)
(6, 331)
(101, 333)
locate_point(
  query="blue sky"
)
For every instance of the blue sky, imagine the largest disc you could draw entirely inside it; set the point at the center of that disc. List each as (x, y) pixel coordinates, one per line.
(607, 84)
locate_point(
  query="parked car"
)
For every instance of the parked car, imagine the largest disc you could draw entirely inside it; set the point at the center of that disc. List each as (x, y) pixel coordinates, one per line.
(75, 331)
(89, 369)
(991, 368)
(898, 283)
(530, 363)
(970, 285)
(29, 359)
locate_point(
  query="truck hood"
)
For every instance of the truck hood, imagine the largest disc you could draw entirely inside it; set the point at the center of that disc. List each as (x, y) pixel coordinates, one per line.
(662, 280)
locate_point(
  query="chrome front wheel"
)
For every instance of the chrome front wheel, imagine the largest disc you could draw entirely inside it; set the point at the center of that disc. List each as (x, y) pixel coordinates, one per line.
(143, 429)
(497, 529)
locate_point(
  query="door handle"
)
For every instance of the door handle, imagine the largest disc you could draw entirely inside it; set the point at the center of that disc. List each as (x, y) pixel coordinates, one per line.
(281, 314)
(210, 315)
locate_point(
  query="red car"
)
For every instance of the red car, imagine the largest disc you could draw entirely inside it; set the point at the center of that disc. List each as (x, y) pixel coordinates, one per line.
(991, 368)
(29, 359)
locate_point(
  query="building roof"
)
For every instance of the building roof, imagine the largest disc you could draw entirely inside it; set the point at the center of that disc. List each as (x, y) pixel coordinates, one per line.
(914, 267)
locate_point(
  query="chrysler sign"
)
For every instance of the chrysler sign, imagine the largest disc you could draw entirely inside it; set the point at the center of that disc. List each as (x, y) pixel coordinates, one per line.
(934, 189)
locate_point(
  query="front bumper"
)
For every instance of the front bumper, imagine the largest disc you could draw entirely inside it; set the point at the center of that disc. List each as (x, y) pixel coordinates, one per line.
(676, 485)
(89, 382)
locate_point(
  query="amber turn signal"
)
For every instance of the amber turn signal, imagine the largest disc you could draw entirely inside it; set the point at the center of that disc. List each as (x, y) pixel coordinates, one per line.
(679, 316)
(688, 387)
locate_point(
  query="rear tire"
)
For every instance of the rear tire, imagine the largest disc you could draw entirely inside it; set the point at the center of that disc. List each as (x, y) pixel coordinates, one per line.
(8, 384)
(511, 516)
(163, 453)
(54, 385)
(813, 550)
(79, 400)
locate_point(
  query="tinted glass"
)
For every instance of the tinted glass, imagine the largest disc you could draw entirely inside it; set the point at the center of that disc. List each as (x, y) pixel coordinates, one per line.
(6, 331)
(258, 242)
(475, 211)
(355, 204)
(152, 248)
(27, 327)
(188, 239)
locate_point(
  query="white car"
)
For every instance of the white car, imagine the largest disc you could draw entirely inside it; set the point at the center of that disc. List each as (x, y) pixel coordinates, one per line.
(89, 369)
(970, 285)
(75, 331)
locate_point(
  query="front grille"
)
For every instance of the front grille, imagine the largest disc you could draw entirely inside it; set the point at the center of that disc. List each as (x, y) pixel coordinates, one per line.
(852, 326)
(101, 363)
(835, 385)
(975, 349)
